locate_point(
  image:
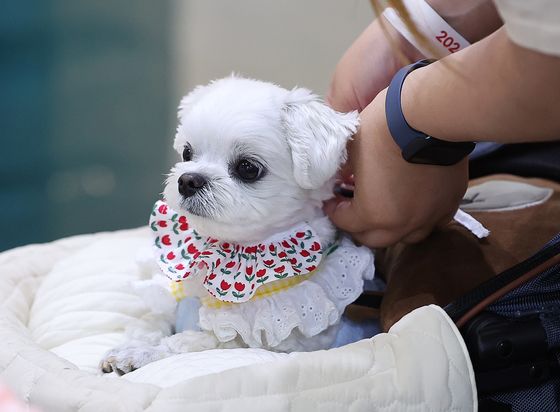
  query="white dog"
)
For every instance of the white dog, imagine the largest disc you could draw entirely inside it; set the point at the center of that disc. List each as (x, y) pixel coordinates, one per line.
(243, 230)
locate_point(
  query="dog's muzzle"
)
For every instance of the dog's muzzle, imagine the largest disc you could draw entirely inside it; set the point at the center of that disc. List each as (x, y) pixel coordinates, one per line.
(191, 183)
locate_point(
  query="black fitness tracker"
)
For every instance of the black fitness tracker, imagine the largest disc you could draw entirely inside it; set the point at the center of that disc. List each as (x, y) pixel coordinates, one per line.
(418, 147)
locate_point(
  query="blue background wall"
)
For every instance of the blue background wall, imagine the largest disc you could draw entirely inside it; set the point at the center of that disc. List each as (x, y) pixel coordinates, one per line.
(86, 115)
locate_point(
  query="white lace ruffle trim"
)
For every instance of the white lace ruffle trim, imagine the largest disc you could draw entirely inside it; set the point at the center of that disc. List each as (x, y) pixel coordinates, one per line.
(311, 306)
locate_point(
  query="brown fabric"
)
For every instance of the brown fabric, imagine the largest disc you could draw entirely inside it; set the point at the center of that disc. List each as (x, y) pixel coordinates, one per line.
(452, 261)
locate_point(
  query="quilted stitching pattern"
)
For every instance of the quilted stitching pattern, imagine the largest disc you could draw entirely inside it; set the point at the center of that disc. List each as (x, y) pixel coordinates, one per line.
(421, 365)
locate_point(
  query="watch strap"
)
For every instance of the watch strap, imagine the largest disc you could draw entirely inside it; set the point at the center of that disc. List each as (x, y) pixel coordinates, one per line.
(401, 131)
(416, 146)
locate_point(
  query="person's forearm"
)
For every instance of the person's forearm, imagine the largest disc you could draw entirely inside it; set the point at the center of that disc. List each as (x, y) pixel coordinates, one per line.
(493, 90)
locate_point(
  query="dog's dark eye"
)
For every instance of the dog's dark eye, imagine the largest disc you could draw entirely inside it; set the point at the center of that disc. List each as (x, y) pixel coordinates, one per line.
(187, 153)
(248, 171)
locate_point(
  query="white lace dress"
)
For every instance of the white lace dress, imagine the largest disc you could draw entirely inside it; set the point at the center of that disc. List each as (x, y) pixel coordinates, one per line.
(303, 311)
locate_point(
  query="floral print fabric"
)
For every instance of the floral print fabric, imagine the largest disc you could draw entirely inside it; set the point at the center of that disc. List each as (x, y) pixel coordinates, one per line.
(233, 272)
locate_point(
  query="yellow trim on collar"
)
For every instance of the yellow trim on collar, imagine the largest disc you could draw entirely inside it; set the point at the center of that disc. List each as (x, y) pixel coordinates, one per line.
(268, 289)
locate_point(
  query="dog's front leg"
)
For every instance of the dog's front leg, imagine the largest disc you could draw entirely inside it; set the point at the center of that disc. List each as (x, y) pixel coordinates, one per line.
(133, 355)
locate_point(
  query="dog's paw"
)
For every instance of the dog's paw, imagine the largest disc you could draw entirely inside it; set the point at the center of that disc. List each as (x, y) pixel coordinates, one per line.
(190, 341)
(125, 359)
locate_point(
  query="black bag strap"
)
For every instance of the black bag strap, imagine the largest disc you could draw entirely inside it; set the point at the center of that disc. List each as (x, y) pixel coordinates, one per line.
(508, 353)
(474, 302)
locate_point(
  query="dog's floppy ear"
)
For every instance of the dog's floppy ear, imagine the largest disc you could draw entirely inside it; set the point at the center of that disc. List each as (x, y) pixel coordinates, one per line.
(317, 136)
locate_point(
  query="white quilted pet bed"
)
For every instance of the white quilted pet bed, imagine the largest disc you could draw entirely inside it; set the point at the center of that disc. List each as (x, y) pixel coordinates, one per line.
(63, 304)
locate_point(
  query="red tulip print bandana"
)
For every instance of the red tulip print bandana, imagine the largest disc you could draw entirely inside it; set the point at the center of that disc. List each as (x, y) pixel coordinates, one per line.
(234, 272)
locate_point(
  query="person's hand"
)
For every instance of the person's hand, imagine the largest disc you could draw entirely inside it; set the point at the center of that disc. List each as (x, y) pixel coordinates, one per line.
(393, 200)
(375, 56)
(368, 66)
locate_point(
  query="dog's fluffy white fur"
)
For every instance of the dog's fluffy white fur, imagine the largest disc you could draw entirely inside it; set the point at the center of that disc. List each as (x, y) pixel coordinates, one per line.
(298, 141)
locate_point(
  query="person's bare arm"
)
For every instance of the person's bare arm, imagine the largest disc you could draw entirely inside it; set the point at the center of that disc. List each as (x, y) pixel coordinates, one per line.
(375, 56)
(491, 91)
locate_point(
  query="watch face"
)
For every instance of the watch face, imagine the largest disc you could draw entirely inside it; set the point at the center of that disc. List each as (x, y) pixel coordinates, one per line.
(433, 151)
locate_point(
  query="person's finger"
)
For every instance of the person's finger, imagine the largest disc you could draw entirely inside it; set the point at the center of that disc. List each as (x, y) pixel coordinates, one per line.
(417, 236)
(446, 220)
(343, 214)
(346, 170)
(342, 95)
(379, 238)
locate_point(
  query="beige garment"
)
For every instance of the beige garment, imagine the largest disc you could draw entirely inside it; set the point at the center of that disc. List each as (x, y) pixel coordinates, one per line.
(534, 24)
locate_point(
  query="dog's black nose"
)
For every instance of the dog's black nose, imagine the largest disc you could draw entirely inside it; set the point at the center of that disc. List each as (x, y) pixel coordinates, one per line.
(190, 183)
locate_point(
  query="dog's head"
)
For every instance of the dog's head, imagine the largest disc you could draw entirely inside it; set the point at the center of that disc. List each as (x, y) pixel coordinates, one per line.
(255, 158)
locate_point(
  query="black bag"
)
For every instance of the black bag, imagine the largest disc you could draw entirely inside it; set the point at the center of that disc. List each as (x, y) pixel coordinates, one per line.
(514, 338)
(511, 326)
